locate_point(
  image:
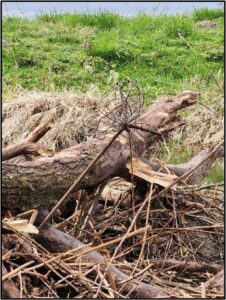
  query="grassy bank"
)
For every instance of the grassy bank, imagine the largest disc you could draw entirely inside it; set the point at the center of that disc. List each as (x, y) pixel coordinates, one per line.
(165, 54)
(72, 51)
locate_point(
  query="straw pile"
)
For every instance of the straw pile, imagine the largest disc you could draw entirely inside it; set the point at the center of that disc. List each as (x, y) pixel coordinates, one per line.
(76, 117)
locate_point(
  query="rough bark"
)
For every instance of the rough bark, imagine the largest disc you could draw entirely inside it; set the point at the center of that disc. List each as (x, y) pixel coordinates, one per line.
(46, 179)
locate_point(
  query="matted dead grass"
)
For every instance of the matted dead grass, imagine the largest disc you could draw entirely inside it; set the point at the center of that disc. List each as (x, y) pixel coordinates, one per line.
(76, 116)
(204, 128)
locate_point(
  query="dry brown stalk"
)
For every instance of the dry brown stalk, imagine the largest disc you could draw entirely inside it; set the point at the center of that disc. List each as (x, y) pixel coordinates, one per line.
(16, 271)
(191, 266)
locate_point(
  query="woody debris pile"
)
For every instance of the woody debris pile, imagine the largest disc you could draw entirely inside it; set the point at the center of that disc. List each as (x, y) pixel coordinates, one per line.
(87, 210)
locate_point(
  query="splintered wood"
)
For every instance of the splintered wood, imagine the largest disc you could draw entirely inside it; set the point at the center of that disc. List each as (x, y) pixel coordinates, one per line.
(144, 171)
(20, 225)
(117, 189)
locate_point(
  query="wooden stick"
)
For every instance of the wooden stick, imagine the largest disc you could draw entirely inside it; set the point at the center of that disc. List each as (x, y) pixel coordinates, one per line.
(27, 146)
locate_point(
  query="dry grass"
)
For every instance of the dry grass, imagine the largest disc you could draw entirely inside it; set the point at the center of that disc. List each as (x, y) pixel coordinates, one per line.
(205, 126)
(76, 116)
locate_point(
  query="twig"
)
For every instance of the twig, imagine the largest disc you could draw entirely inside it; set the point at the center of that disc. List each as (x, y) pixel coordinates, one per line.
(122, 239)
(16, 271)
(191, 266)
(144, 129)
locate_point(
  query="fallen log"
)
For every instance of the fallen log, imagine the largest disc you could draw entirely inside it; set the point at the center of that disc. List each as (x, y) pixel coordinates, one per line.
(57, 241)
(44, 180)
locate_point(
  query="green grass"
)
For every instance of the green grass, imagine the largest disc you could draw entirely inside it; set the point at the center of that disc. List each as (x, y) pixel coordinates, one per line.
(216, 174)
(72, 51)
(163, 53)
(208, 14)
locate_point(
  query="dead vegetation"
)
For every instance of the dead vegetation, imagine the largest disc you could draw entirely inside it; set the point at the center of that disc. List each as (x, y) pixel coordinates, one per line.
(207, 24)
(205, 126)
(150, 234)
(75, 117)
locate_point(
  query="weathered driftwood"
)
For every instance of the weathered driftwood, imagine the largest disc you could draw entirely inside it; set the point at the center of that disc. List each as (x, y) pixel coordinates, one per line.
(46, 179)
(151, 171)
(20, 149)
(142, 170)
